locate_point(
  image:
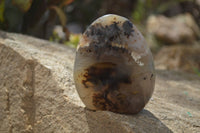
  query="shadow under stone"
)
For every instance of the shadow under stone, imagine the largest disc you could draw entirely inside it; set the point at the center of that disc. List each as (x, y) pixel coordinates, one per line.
(108, 122)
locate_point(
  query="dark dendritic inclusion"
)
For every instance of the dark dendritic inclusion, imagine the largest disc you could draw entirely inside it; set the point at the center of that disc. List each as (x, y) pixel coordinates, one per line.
(102, 37)
(127, 27)
(105, 78)
(105, 35)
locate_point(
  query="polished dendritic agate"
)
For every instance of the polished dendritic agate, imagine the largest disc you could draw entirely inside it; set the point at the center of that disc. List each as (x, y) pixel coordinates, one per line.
(113, 67)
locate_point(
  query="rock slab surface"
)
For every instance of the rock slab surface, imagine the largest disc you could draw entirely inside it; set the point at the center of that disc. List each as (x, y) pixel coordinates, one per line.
(37, 94)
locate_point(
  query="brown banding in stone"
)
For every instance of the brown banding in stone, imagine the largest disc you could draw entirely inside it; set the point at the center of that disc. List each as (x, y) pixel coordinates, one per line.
(106, 78)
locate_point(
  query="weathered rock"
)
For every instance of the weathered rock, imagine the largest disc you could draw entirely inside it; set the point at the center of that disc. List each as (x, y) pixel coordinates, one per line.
(37, 94)
(178, 57)
(178, 29)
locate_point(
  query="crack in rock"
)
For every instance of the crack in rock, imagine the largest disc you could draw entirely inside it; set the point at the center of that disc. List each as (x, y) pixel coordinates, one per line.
(28, 101)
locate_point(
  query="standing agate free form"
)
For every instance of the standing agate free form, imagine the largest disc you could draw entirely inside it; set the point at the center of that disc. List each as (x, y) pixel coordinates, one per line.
(113, 67)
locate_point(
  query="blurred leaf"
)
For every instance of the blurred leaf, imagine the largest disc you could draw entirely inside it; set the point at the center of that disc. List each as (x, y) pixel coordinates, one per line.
(14, 18)
(66, 2)
(67, 33)
(60, 14)
(139, 12)
(73, 40)
(197, 71)
(2, 8)
(23, 5)
(55, 37)
(54, 2)
(166, 5)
